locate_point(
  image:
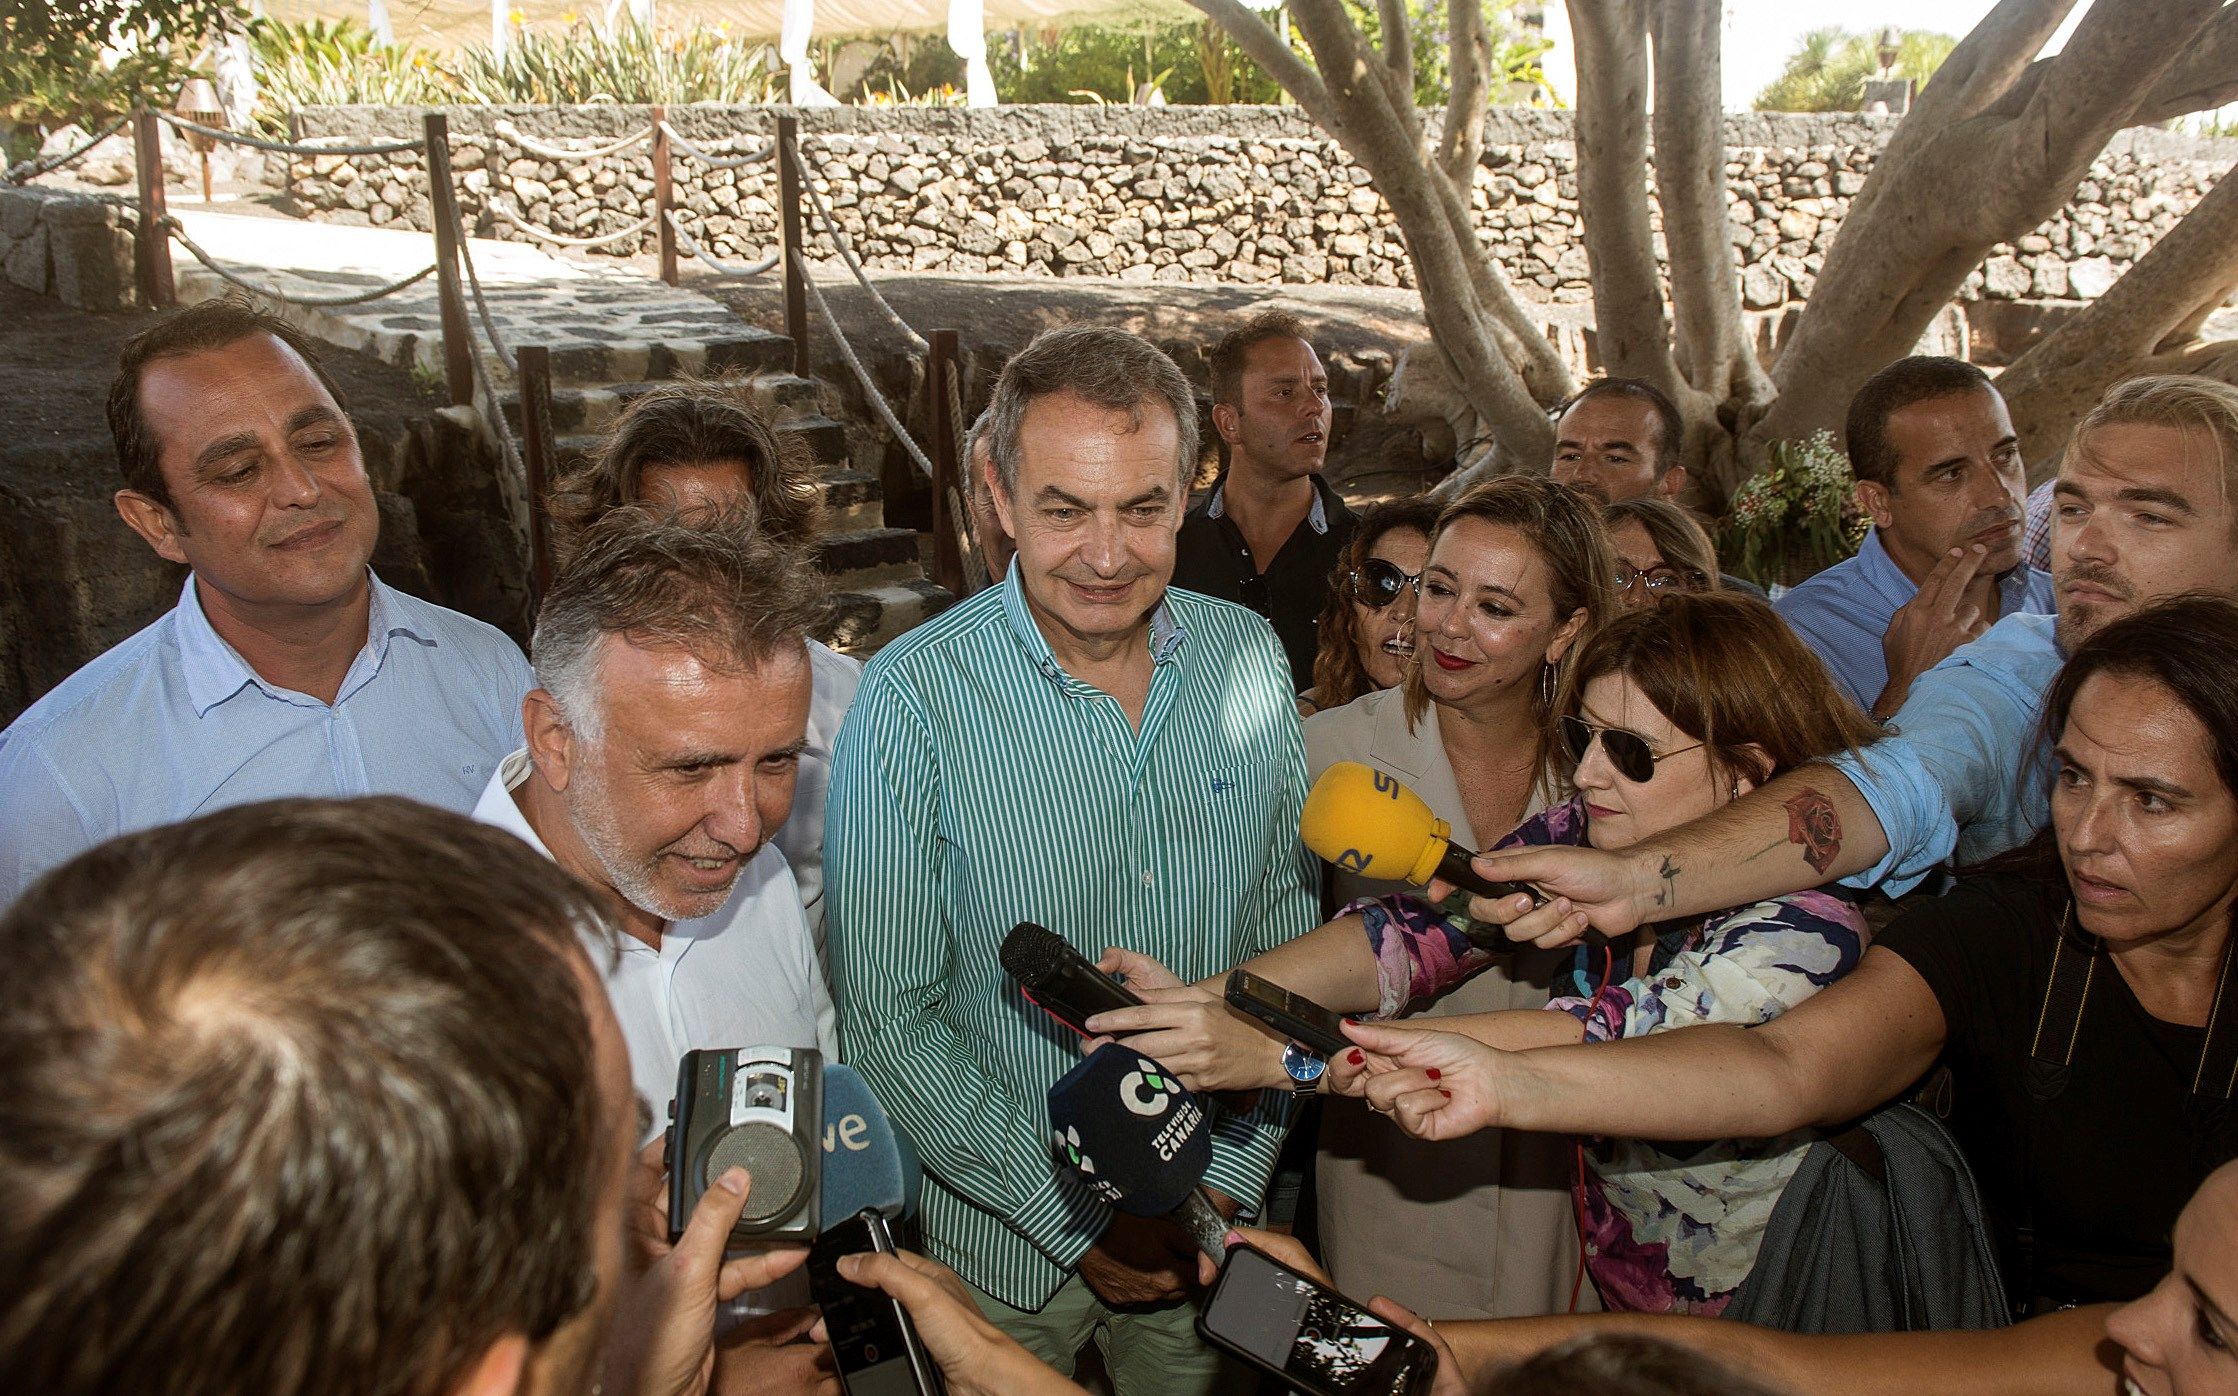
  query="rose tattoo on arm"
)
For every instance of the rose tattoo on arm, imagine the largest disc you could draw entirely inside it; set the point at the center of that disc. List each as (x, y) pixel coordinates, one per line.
(1813, 822)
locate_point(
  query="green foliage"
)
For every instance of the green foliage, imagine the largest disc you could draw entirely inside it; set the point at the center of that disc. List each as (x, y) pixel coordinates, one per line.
(1516, 77)
(1087, 63)
(51, 70)
(1798, 517)
(1828, 69)
(630, 62)
(322, 63)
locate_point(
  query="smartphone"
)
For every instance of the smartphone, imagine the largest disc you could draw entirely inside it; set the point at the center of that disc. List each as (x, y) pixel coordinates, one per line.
(876, 1347)
(1308, 1336)
(1293, 1015)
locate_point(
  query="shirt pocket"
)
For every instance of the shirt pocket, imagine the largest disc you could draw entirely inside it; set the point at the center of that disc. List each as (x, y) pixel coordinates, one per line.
(1230, 814)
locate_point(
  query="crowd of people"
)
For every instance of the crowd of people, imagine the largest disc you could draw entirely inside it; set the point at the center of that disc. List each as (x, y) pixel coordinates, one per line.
(1865, 1025)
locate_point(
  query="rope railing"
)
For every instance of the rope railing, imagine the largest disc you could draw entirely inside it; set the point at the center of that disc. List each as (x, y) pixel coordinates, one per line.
(482, 306)
(23, 172)
(863, 379)
(560, 152)
(692, 249)
(713, 159)
(179, 234)
(500, 206)
(178, 122)
(839, 240)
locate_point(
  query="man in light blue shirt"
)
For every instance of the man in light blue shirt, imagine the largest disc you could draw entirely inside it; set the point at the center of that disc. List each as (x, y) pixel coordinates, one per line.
(2147, 508)
(287, 668)
(1939, 472)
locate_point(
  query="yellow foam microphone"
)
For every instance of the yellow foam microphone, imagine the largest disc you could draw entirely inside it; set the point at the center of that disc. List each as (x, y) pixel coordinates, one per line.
(1367, 822)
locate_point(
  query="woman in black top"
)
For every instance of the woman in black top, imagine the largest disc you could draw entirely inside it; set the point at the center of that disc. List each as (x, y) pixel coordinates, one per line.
(2091, 1158)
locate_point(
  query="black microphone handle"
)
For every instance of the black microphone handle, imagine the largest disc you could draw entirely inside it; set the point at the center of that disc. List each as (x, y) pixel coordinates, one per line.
(1454, 867)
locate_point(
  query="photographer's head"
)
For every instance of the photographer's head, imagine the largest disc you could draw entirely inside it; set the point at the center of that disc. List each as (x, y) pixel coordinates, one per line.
(292, 1101)
(673, 706)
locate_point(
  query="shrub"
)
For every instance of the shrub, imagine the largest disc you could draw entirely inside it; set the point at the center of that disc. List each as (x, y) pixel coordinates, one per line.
(629, 62)
(1798, 517)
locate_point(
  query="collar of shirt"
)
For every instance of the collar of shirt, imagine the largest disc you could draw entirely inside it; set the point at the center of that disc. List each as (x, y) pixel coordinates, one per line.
(1317, 515)
(215, 671)
(1166, 634)
(1879, 572)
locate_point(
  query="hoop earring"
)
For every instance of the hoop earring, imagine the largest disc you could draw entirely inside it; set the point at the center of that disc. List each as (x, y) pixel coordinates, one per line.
(1546, 687)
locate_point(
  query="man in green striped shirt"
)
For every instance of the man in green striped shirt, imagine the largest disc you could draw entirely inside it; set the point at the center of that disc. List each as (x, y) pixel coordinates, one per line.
(1079, 747)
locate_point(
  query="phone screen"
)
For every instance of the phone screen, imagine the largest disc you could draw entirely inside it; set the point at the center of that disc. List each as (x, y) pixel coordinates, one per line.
(868, 1340)
(1318, 1339)
(1295, 1014)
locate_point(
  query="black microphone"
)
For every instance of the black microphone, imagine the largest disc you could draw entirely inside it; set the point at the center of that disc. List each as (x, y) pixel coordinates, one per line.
(1139, 1140)
(1058, 979)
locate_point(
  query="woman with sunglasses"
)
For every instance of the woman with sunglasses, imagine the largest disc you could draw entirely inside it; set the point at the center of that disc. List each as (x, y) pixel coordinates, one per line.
(1668, 713)
(1367, 627)
(1660, 551)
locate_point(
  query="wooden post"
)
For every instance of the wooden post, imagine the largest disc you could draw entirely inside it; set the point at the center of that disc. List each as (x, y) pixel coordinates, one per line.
(664, 197)
(450, 298)
(538, 449)
(789, 195)
(948, 472)
(151, 250)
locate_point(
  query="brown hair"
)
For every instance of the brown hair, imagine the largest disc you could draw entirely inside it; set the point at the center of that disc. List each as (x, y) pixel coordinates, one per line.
(692, 423)
(1727, 671)
(1622, 1364)
(1338, 676)
(212, 324)
(1674, 531)
(1564, 524)
(294, 1098)
(2185, 402)
(1227, 357)
(720, 589)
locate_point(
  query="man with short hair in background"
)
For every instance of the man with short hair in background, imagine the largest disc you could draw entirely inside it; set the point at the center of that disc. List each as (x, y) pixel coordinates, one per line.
(1088, 749)
(287, 668)
(1271, 532)
(1939, 472)
(1620, 439)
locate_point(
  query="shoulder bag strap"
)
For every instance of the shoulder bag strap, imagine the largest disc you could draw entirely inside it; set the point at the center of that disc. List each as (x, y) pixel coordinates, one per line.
(2060, 1018)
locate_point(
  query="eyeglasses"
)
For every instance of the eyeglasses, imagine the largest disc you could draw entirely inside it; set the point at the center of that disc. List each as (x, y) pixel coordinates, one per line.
(1660, 581)
(1376, 583)
(1628, 751)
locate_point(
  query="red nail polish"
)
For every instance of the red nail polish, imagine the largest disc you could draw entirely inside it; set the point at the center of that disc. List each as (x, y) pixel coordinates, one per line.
(1433, 1073)
(1444, 1092)
(1356, 1057)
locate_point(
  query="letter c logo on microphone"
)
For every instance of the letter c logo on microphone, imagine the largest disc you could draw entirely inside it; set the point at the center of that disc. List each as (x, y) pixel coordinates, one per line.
(1146, 1092)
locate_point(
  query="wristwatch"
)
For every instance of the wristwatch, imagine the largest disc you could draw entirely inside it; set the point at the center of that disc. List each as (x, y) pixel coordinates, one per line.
(1304, 1069)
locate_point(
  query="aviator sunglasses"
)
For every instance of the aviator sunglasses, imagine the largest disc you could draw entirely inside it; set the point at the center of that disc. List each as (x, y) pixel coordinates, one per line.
(1377, 583)
(1628, 751)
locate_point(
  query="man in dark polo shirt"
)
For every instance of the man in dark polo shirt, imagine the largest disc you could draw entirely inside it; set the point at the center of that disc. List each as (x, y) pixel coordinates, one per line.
(1270, 533)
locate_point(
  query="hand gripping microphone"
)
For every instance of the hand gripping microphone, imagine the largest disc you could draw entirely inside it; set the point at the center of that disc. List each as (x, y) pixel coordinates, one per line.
(1366, 822)
(1060, 980)
(1140, 1141)
(867, 1162)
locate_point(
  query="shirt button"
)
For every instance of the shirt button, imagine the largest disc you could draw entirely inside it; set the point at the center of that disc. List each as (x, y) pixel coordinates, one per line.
(1674, 982)
(1147, 879)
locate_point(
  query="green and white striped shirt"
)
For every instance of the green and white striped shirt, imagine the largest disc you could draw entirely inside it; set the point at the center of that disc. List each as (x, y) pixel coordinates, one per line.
(975, 785)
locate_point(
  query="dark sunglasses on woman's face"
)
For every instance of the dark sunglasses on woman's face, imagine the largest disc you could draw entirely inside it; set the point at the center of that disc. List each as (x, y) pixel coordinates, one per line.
(1660, 581)
(1628, 751)
(1376, 583)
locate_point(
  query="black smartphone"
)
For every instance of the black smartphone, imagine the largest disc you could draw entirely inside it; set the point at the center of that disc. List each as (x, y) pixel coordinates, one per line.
(876, 1347)
(1308, 1336)
(1293, 1015)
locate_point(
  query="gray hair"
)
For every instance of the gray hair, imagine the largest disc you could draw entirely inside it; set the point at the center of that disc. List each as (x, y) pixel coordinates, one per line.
(1115, 370)
(720, 590)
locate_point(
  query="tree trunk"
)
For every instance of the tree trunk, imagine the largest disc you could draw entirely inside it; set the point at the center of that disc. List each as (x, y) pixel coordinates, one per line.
(1629, 326)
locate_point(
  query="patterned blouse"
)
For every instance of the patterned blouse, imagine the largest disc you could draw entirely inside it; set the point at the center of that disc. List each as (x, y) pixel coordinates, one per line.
(1669, 1228)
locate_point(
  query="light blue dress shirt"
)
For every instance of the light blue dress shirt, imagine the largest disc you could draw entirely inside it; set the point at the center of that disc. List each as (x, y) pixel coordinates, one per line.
(1966, 769)
(1844, 611)
(173, 723)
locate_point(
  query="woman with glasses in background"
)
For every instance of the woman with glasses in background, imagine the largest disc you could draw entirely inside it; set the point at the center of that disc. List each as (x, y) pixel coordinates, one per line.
(1660, 551)
(1366, 629)
(1667, 713)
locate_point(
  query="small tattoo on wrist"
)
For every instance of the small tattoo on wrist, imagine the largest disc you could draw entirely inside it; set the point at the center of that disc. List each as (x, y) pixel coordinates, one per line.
(1815, 825)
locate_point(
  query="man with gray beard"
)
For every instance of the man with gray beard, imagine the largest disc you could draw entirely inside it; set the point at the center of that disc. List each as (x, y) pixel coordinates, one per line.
(663, 737)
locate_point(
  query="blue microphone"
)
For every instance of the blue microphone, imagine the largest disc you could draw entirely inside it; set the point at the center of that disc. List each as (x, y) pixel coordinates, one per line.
(1140, 1140)
(867, 1163)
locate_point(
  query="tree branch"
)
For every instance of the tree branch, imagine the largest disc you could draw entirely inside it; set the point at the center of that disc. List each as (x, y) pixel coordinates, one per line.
(1272, 52)
(2142, 315)
(2205, 77)
(1398, 43)
(1470, 65)
(1629, 325)
(1986, 62)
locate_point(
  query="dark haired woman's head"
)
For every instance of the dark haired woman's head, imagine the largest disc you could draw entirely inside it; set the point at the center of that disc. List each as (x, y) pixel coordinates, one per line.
(2143, 722)
(1622, 1364)
(1674, 709)
(1367, 624)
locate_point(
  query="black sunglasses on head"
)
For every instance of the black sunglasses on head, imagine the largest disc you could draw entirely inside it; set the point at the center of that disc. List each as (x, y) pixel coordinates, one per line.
(1628, 751)
(1376, 583)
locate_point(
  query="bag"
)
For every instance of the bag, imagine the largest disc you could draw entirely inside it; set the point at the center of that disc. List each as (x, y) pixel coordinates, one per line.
(1879, 1231)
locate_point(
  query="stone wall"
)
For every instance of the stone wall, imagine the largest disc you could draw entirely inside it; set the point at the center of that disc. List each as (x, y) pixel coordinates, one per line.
(1205, 194)
(74, 247)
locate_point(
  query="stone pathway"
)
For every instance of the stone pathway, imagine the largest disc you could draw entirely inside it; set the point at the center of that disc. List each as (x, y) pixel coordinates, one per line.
(612, 330)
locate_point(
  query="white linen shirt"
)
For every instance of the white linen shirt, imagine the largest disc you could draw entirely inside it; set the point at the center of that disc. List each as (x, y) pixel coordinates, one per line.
(744, 976)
